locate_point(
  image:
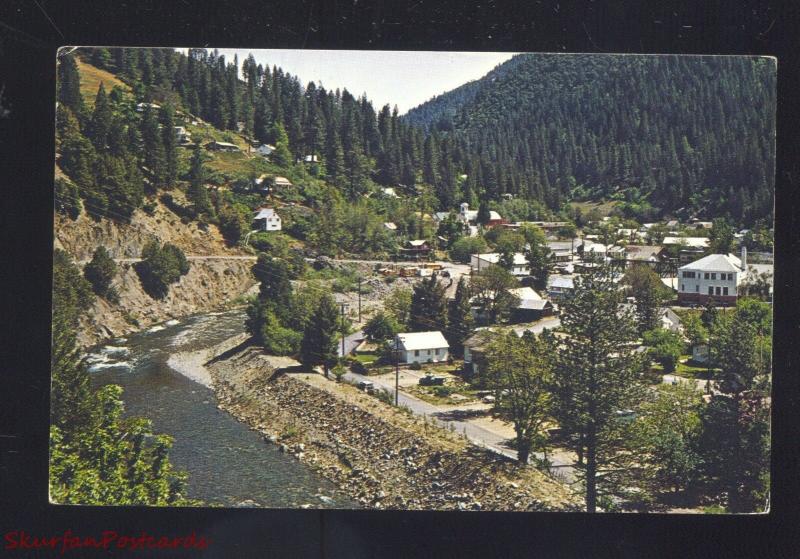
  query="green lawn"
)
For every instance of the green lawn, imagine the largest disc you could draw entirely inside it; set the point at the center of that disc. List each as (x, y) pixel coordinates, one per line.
(366, 357)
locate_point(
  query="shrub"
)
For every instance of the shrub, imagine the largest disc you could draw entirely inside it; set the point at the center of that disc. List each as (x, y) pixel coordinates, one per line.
(160, 267)
(100, 272)
(665, 347)
(415, 366)
(467, 246)
(442, 391)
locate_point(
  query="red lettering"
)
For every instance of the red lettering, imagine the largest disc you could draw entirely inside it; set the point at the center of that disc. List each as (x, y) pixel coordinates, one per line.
(123, 541)
(11, 541)
(108, 537)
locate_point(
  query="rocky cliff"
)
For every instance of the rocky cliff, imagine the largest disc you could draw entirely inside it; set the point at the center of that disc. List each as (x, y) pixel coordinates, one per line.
(210, 284)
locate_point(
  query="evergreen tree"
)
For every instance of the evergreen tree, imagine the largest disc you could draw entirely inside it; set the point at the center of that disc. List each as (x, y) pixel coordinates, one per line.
(100, 123)
(459, 319)
(281, 156)
(170, 141)
(198, 193)
(597, 373)
(650, 294)
(428, 306)
(539, 257)
(483, 213)
(319, 338)
(736, 423)
(69, 85)
(154, 156)
(100, 272)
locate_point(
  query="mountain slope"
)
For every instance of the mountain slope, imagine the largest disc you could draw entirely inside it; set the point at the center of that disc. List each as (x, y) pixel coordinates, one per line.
(667, 131)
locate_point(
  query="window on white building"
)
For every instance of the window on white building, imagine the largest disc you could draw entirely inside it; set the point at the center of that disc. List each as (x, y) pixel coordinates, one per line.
(710, 290)
(416, 353)
(724, 290)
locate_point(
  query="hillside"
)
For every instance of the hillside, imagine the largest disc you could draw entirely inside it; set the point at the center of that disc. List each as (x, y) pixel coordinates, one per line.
(681, 134)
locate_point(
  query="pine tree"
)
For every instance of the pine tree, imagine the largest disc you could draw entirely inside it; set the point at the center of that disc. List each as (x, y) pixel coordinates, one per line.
(596, 374)
(154, 156)
(459, 319)
(428, 306)
(198, 193)
(170, 142)
(100, 123)
(69, 85)
(736, 424)
(282, 156)
(319, 338)
(538, 255)
(100, 272)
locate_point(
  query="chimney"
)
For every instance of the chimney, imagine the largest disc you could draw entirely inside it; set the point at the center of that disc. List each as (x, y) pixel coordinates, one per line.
(744, 257)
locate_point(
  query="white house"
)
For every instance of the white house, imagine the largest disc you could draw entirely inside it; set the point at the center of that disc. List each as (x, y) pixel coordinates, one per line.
(422, 347)
(281, 181)
(714, 276)
(265, 150)
(140, 107)
(390, 225)
(559, 286)
(182, 135)
(470, 217)
(266, 219)
(689, 242)
(480, 262)
(308, 159)
(222, 146)
(390, 192)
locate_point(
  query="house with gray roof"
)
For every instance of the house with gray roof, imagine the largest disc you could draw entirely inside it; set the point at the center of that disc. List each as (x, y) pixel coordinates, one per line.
(716, 276)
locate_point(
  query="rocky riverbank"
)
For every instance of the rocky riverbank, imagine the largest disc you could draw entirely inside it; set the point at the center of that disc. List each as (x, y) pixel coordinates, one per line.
(383, 457)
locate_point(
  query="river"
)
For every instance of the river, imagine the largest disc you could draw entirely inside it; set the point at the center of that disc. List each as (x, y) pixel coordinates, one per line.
(228, 464)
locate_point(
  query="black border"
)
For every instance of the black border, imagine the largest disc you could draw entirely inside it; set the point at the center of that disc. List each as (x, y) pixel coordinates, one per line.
(30, 32)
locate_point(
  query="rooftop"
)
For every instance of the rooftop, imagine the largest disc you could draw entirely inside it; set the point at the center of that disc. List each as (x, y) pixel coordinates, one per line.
(422, 340)
(715, 263)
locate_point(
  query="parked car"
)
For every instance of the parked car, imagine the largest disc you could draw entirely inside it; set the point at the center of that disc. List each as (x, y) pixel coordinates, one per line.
(430, 380)
(366, 386)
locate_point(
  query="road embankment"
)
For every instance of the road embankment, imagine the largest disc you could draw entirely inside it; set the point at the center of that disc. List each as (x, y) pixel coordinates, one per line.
(381, 456)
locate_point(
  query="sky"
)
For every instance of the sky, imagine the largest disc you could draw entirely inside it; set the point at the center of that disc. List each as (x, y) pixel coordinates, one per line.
(401, 78)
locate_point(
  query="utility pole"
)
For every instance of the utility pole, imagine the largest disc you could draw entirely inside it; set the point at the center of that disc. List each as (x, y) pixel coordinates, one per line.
(396, 370)
(359, 298)
(343, 305)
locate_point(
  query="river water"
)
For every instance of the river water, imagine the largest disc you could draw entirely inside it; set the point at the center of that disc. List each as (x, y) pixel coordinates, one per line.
(228, 464)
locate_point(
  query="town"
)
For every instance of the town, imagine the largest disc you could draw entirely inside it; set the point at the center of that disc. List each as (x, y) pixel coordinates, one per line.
(398, 291)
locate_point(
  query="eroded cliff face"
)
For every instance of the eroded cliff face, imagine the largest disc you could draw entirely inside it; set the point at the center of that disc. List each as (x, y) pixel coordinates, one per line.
(210, 284)
(125, 240)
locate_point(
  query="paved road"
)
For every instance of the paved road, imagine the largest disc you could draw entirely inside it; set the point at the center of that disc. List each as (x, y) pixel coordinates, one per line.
(443, 416)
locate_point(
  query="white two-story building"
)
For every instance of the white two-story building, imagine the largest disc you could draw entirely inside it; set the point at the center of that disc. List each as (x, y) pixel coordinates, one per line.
(715, 276)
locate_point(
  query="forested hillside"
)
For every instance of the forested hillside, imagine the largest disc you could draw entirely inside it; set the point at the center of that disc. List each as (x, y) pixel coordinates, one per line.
(667, 134)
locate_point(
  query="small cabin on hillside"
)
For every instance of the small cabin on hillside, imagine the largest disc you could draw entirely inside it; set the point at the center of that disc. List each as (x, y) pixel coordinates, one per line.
(266, 219)
(265, 150)
(222, 146)
(281, 182)
(417, 249)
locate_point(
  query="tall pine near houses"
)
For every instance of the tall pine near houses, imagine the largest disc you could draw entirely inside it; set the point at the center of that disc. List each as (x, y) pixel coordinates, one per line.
(319, 338)
(597, 375)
